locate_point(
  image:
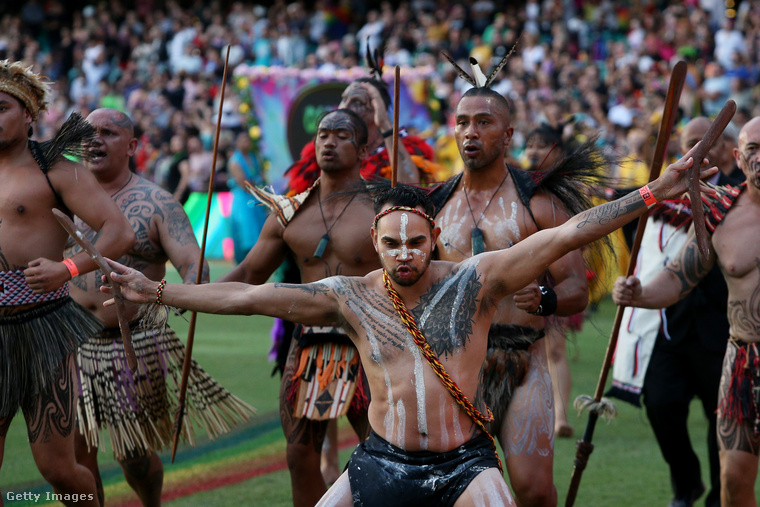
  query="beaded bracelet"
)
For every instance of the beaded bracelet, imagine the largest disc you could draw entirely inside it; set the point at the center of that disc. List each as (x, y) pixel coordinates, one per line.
(160, 291)
(648, 196)
(73, 271)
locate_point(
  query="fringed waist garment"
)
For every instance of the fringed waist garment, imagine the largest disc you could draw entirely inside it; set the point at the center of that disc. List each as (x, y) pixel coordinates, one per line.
(138, 408)
(33, 345)
(507, 361)
(329, 380)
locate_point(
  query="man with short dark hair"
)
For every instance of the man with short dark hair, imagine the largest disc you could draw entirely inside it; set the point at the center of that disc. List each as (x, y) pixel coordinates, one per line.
(324, 228)
(40, 325)
(492, 206)
(420, 328)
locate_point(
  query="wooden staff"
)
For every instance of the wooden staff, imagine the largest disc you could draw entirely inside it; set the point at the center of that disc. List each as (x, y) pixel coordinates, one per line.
(585, 447)
(121, 312)
(179, 416)
(394, 159)
(716, 129)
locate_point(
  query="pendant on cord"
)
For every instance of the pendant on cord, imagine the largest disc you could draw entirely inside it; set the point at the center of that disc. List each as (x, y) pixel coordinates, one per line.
(478, 245)
(321, 246)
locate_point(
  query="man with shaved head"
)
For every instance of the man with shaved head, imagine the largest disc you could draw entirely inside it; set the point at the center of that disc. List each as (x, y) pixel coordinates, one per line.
(135, 407)
(733, 219)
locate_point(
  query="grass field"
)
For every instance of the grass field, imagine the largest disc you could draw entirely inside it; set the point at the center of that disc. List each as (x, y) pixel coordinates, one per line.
(246, 467)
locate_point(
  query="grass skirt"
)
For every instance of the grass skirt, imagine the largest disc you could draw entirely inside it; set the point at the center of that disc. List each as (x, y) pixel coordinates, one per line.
(138, 408)
(33, 345)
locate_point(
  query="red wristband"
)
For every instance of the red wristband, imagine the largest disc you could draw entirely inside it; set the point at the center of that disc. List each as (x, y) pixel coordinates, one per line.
(647, 195)
(73, 271)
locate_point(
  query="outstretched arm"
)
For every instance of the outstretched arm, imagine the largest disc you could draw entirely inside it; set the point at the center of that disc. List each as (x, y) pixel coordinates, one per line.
(510, 270)
(313, 304)
(672, 284)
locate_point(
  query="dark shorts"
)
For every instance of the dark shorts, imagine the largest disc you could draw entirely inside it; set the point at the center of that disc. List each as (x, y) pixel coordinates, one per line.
(382, 474)
(506, 364)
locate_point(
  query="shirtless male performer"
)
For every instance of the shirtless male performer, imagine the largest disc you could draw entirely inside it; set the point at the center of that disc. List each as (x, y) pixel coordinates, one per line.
(40, 325)
(369, 98)
(429, 445)
(300, 225)
(136, 409)
(489, 207)
(731, 220)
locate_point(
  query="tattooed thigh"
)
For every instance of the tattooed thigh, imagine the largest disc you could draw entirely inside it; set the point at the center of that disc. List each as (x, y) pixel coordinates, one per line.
(732, 434)
(53, 413)
(529, 422)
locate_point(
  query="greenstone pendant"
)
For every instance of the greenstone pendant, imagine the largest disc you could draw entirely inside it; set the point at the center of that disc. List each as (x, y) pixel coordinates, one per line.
(321, 246)
(478, 245)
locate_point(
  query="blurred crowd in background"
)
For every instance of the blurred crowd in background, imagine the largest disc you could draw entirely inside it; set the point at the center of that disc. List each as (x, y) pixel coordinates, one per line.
(600, 67)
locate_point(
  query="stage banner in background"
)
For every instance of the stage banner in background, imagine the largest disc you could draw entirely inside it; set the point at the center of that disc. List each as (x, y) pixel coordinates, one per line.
(287, 102)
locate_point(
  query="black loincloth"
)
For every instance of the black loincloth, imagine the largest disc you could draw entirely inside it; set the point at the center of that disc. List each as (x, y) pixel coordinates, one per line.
(382, 474)
(506, 364)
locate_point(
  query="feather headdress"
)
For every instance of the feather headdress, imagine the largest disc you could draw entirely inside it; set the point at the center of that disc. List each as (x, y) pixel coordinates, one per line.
(478, 79)
(375, 61)
(21, 82)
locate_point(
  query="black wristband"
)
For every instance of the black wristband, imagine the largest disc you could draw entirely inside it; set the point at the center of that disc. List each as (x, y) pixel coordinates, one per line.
(387, 133)
(548, 303)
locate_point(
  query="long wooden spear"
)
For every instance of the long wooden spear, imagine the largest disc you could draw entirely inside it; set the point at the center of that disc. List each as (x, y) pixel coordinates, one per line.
(394, 155)
(179, 416)
(585, 447)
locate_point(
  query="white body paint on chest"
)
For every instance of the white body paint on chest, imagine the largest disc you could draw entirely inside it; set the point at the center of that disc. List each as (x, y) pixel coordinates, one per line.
(456, 219)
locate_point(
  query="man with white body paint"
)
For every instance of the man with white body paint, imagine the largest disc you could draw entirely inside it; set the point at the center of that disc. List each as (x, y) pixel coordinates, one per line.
(298, 225)
(428, 445)
(492, 206)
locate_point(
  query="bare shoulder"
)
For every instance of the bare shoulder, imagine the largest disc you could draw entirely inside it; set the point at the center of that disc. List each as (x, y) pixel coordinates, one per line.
(548, 210)
(68, 175)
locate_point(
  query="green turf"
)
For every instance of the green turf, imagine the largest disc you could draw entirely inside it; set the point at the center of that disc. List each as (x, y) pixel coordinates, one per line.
(625, 469)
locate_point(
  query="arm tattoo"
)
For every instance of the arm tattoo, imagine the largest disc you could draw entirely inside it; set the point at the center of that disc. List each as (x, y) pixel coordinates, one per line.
(744, 315)
(310, 288)
(689, 267)
(177, 222)
(604, 213)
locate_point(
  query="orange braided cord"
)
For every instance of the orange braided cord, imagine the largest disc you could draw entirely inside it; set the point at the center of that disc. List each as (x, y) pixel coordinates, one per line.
(408, 319)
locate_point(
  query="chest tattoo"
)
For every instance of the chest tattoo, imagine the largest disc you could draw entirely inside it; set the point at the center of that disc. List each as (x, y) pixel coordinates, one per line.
(744, 315)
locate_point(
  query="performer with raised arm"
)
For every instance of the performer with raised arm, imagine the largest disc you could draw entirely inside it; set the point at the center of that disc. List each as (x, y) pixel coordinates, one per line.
(429, 440)
(40, 325)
